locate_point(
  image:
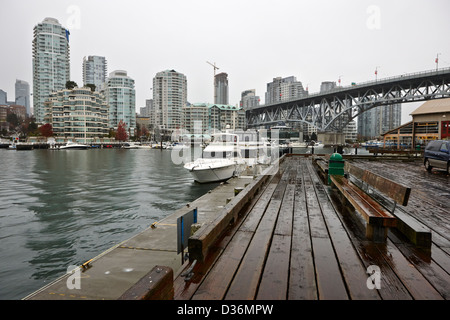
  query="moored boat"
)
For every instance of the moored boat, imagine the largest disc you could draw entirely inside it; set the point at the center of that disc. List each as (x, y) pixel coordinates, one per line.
(220, 160)
(74, 146)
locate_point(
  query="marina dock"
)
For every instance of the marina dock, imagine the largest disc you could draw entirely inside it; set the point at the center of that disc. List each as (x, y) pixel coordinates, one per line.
(297, 242)
(286, 235)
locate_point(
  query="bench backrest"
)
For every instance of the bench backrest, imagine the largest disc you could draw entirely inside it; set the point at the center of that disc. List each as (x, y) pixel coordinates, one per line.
(397, 192)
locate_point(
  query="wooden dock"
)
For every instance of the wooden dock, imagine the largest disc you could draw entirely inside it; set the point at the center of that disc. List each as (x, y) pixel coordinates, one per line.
(295, 241)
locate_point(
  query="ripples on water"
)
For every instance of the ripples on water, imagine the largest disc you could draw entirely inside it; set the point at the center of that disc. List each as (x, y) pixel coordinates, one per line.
(61, 208)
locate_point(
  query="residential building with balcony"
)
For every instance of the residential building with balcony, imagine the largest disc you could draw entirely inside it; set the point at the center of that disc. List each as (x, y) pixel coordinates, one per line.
(79, 115)
(51, 63)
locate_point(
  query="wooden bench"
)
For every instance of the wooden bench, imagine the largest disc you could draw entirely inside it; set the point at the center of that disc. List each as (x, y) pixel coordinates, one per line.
(155, 285)
(378, 219)
(322, 166)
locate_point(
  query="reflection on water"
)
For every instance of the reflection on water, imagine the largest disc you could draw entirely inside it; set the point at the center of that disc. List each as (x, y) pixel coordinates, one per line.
(62, 208)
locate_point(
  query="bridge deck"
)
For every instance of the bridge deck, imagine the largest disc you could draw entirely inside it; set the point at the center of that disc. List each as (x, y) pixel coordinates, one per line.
(296, 242)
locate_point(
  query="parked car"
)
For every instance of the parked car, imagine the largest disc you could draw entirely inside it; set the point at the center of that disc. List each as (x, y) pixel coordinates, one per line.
(437, 155)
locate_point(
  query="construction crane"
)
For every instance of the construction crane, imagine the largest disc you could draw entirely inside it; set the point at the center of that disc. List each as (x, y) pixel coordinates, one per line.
(214, 66)
(214, 79)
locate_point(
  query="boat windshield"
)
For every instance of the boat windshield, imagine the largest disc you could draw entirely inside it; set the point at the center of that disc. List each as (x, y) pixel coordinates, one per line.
(219, 154)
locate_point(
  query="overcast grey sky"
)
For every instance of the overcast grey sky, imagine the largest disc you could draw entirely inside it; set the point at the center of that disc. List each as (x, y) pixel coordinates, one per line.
(253, 41)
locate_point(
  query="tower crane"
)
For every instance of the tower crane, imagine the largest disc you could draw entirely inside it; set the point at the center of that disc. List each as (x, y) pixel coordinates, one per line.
(214, 66)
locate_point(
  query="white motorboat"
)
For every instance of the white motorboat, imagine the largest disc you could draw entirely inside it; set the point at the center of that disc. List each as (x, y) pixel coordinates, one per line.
(130, 145)
(74, 146)
(220, 160)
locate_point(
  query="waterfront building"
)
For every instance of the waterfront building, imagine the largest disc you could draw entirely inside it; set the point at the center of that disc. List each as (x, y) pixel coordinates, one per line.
(169, 97)
(213, 117)
(430, 121)
(350, 132)
(22, 89)
(121, 100)
(51, 63)
(94, 71)
(79, 115)
(283, 89)
(249, 99)
(196, 112)
(221, 88)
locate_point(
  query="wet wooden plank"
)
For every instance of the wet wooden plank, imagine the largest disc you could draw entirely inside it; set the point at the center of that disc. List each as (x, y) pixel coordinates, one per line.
(275, 277)
(245, 283)
(371, 253)
(155, 285)
(284, 222)
(353, 269)
(203, 239)
(413, 280)
(218, 279)
(329, 278)
(302, 279)
(185, 290)
(274, 280)
(254, 217)
(422, 260)
(375, 254)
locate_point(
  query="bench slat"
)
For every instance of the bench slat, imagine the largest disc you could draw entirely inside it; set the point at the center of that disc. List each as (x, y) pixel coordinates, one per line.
(394, 190)
(372, 212)
(377, 218)
(399, 193)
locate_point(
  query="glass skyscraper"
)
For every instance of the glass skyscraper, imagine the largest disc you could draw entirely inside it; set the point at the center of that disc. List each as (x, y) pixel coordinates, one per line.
(221, 88)
(23, 94)
(51, 63)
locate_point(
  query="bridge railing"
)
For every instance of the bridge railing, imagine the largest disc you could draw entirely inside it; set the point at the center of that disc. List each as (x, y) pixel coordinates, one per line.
(405, 76)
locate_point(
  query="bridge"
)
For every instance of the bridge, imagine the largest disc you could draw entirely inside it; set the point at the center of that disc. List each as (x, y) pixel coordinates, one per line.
(333, 110)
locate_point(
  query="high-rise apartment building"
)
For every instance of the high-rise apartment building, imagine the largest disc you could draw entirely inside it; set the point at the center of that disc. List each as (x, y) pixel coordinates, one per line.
(51, 63)
(121, 99)
(23, 95)
(283, 89)
(327, 86)
(169, 97)
(213, 117)
(221, 88)
(249, 99)
(3, 98)
(94, 71)
(78, 114)
(378, 120)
